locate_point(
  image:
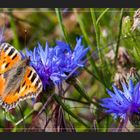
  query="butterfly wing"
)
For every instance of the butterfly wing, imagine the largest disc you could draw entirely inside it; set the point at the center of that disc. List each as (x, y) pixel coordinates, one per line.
(9, 57)
(2, 86)
(30, 87)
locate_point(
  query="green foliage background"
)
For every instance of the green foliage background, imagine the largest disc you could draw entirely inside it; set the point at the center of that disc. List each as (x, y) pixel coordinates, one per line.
(103, 30)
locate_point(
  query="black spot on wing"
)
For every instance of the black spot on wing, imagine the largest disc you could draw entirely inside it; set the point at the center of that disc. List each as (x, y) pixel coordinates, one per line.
(29, 74)
(18, 89)
(23, 84)
(14, 56)
(6, 48)
(7, 65)
(34, 76)
(40, 87)
(11, 52)
(37, 83)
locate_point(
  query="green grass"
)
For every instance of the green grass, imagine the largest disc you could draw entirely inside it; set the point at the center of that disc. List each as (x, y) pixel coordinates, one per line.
(103, 30)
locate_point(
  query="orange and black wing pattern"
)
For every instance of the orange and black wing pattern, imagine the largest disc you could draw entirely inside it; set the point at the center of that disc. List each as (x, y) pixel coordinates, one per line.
(30, 87)
(9, 57)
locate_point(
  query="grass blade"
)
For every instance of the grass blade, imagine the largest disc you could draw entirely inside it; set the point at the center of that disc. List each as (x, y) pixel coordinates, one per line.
(60, 20)
(119, 35)
(96, 32)
(102, 14)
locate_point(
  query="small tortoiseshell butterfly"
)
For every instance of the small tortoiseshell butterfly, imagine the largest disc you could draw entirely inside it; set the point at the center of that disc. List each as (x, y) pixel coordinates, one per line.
(18, 80)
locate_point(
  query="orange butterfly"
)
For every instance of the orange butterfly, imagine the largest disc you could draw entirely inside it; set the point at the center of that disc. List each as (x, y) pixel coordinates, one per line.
(18, 80)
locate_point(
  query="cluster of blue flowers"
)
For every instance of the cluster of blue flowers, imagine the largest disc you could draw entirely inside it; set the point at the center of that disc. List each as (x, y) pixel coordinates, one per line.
(123, 103)
(55, 63)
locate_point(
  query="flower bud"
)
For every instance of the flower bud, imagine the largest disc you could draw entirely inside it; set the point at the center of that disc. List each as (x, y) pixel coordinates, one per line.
(37, 106)
(136, 20)
(133, 74)
(126, 26)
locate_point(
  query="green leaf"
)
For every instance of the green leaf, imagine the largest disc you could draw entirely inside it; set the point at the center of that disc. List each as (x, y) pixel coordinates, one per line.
(9, 117)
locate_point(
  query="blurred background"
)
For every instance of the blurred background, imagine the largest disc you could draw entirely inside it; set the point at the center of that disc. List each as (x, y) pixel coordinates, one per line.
(114, 56)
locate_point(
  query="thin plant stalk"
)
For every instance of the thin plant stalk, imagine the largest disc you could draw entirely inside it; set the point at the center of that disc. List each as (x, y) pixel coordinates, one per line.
(60, 20)
(102, 14)
(84, 32)
(119, 35)
(59, 101)
(25, 117)
(96, 32)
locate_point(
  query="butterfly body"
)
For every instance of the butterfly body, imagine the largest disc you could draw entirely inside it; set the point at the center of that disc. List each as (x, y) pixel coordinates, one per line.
(18, 80)
(14, 77)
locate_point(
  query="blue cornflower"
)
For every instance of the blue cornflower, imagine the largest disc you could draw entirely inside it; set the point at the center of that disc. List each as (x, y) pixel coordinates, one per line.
(53, 64)
(123, 103)
(45, 63)
(70, 60)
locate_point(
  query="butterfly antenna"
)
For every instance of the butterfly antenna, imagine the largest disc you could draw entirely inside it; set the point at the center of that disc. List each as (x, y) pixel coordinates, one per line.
(25, 38)
(22, 115)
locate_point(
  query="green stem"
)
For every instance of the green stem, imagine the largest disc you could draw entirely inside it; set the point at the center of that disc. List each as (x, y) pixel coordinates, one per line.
(102, 14)
(96, 32)
(60, 20)
(83, 29)
(58, 100)
(25, 117)
(75, 100)
(83, 93)
(91, 73)
(119, 36)
(97, 78)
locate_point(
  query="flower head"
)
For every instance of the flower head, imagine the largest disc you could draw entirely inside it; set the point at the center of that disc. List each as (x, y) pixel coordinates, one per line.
(123, 103)
(45, 63)
(54, 63)
(69, 60)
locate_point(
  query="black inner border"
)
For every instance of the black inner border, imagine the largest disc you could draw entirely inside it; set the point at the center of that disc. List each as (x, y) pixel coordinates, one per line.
(69, 136)
(69, 3)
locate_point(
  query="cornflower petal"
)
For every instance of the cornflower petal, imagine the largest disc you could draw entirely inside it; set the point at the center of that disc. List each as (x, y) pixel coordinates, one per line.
(122, 102)
(55, 63)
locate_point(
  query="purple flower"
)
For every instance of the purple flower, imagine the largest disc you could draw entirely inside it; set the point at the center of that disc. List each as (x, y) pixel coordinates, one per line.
(53, 64)
(69, 60)
(123, 103)
(45, 63)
